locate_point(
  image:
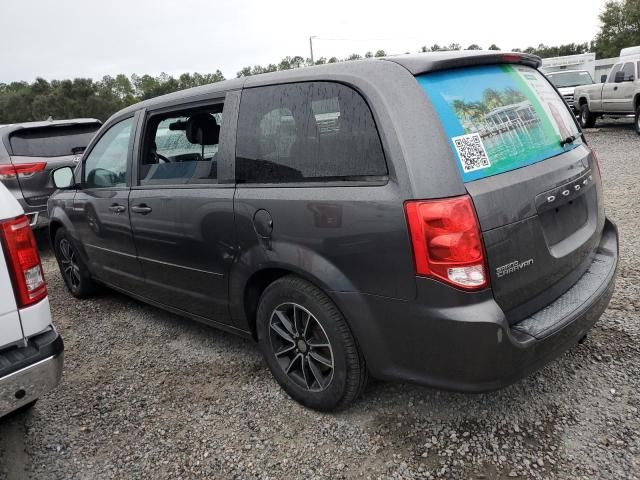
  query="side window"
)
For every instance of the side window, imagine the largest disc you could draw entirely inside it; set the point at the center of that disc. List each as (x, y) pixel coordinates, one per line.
(106, 165)
(305, 132)
(181, 147)
(612, 73)
(629, 71)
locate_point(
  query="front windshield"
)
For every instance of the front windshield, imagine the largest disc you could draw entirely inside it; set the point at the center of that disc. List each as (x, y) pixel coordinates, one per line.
(570, 79)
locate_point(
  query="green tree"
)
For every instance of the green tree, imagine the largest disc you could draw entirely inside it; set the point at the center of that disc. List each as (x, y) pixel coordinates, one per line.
(297, 62)
(474, 46)
(494, 47)
(245, 72)
(619, 27)
(380, 53)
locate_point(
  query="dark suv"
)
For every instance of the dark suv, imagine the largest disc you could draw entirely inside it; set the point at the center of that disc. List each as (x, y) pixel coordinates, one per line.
(30, 151)
(435, 218)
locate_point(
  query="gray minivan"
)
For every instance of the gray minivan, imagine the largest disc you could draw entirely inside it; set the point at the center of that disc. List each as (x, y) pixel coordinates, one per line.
(435, 218)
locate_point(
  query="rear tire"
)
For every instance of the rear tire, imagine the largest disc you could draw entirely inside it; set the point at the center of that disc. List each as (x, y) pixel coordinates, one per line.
(587, 119)
(308, 345)
(636, 123)
(73, 269)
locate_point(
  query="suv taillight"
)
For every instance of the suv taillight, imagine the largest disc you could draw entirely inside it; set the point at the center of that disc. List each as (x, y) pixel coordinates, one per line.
(23, 260)
(446, 240)
(12, 171)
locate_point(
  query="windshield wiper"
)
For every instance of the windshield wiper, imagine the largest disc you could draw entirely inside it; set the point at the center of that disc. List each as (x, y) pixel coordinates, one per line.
(568, 140)
(78, 150)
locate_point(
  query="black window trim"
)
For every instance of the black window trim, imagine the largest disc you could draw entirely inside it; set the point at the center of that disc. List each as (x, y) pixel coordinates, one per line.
(146, 114)
(377, 180)
(105, 128)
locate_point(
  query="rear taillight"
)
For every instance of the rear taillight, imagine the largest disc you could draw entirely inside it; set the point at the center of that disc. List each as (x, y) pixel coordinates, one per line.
(446, 240)
(13, 170)
(23, 260)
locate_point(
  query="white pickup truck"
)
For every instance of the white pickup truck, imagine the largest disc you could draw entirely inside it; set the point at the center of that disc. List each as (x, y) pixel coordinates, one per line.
(617, 95)
(31, 351)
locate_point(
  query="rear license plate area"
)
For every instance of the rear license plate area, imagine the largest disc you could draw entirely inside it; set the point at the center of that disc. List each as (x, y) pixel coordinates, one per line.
(564, 220)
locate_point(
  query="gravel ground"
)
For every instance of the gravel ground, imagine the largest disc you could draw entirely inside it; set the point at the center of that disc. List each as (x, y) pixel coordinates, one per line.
(147, 394)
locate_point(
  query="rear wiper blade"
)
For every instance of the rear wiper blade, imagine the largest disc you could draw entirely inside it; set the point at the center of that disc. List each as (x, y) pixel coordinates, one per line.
(568, 140)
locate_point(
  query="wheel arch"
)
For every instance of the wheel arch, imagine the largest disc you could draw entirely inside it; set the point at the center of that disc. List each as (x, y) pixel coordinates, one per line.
(57, 220)
(244, 308)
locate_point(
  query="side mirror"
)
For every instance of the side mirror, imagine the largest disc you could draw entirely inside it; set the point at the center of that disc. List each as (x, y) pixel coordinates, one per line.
(63, 177)
(619, 78)
(603, 79)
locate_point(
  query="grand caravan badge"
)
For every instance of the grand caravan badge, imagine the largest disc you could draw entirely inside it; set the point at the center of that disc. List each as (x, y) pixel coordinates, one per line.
(513, 267)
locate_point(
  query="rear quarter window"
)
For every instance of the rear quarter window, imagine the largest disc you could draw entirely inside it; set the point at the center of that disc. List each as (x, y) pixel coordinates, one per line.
(306, 132)
(53, 141)
(499, 117)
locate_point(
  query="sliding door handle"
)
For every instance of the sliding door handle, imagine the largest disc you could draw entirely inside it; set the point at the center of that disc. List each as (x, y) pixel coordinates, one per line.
(141, 209)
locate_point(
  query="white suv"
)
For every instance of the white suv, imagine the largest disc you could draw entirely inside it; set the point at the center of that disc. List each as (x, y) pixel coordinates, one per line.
(31, 351)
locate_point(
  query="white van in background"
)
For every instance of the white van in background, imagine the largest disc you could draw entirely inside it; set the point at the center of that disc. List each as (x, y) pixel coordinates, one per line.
(31, 351)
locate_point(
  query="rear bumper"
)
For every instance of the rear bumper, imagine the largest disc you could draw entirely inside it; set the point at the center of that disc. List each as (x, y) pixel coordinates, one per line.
(37, 215)
(463, 341)
(39, 370)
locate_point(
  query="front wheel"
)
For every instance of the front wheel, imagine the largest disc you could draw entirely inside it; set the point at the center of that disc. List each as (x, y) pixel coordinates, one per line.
(587, 119)
(74, 271)
(636, 123)
(308, 345)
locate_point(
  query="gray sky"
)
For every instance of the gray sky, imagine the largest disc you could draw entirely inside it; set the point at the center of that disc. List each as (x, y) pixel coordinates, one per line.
(90, 38)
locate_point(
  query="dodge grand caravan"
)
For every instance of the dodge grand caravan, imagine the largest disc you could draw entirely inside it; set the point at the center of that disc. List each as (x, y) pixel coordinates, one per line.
(435, 218)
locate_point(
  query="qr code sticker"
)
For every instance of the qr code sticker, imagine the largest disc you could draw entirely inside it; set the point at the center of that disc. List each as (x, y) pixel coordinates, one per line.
(471, 152)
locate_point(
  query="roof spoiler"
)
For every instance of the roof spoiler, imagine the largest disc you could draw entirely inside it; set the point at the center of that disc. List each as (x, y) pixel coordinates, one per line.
(435, 61)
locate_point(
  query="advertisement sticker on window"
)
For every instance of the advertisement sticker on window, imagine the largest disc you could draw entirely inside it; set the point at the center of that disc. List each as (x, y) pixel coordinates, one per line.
(499, 117)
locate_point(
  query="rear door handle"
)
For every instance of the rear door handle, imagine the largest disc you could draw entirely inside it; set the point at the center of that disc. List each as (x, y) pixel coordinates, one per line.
(115, 208)
(141, 209)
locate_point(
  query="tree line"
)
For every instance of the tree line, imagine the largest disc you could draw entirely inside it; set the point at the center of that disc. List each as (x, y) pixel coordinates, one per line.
(84, 97)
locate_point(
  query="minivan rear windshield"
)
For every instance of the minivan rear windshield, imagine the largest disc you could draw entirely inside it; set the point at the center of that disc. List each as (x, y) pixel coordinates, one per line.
(53, 141)
(500, 117)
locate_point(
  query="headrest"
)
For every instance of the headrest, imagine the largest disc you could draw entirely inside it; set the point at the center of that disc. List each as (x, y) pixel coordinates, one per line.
(202, 129)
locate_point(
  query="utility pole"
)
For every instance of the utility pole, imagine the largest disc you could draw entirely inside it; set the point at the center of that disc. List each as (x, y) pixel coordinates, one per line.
(311, 47)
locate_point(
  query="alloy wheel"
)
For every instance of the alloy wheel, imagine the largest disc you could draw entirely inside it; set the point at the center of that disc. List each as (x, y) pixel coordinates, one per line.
(301, 346)
(69, 263)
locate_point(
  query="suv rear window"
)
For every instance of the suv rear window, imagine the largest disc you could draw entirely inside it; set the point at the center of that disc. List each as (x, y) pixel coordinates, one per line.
(499, 117)
(303, 132)
(54, 141)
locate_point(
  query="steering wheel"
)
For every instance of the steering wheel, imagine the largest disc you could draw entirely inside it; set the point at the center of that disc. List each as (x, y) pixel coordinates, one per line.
(162, 158)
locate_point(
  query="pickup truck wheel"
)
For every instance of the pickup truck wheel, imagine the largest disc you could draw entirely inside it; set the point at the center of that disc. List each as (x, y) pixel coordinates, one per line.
(636, 123)
(587, 119)
(74, 271)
